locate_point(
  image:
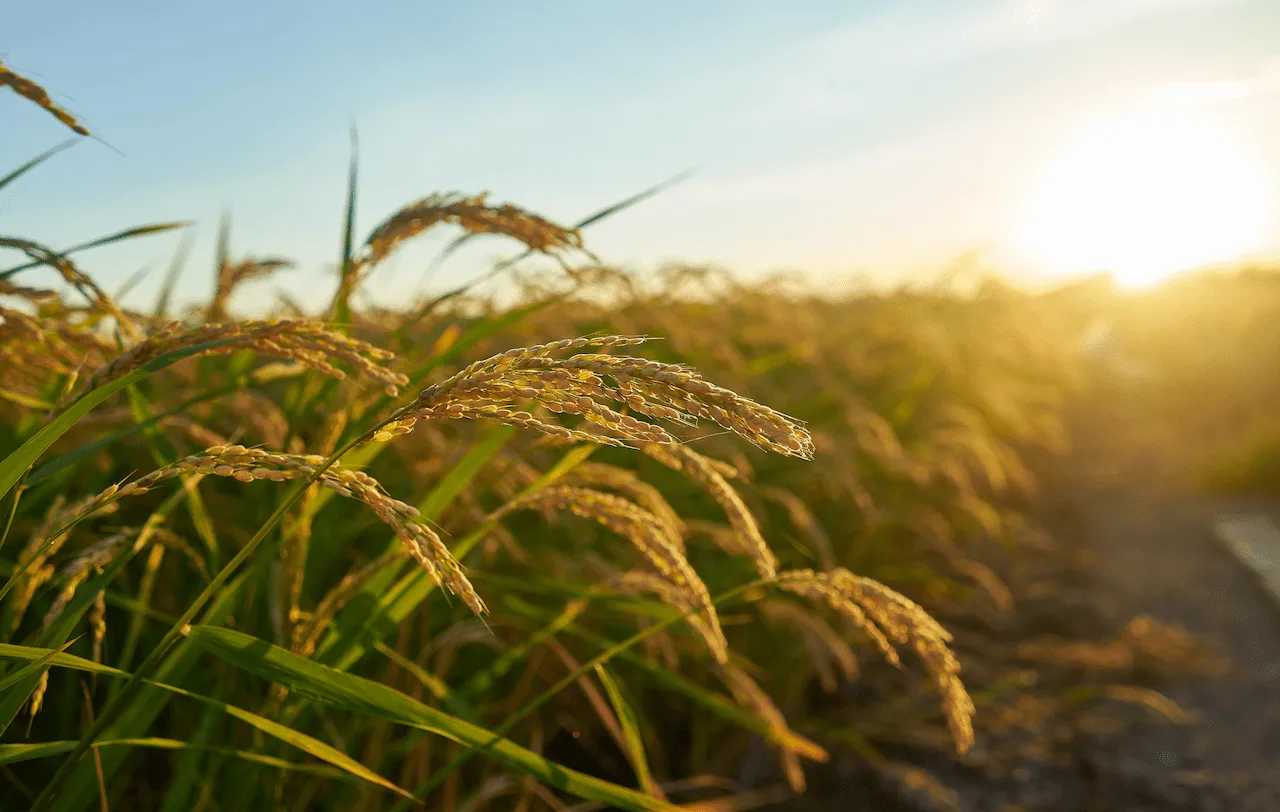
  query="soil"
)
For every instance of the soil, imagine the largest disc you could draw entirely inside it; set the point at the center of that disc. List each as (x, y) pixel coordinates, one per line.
(1147, 537)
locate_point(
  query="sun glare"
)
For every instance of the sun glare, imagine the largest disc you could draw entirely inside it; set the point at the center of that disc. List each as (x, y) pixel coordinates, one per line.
(1145, 196)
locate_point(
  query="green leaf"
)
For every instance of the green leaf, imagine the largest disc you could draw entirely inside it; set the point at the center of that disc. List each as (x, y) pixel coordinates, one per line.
(35, 667)
(34, 162)
(341, 306)
(301, 741)
(484, 680)
(710, 701)
(343, 690)
(119, 236)
(80, 791)
(179, 261)
(630, 731)
(13, 753)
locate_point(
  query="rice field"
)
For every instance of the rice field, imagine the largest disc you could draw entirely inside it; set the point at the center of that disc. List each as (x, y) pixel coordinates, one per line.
(633, 542)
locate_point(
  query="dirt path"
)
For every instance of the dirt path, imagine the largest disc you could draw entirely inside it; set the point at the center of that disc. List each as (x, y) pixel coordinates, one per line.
(1158, 556)
(1152, 548)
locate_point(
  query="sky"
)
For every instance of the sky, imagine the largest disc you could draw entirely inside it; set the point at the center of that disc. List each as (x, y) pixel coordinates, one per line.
(885, 138)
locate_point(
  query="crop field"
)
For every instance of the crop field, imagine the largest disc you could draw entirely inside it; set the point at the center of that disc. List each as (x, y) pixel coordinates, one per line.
(612, 542)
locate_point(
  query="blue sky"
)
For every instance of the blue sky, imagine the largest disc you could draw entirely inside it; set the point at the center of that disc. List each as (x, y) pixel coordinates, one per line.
(878, 137)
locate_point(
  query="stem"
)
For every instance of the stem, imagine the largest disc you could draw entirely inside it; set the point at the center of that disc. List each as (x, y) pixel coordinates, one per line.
(600, 659)
(117, 704)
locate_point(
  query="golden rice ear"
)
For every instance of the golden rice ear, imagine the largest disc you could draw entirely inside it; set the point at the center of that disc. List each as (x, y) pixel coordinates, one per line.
(645, 532)
(582, 384)
(884, 614)
(33, 92)
(81, 281)
(629, 484)
(474, 216)
(232, 274)
(250, 464)
(305, 342)
(703, 471)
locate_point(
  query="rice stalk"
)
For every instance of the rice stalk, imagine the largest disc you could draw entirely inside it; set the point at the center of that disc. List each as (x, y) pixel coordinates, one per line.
(33, 92)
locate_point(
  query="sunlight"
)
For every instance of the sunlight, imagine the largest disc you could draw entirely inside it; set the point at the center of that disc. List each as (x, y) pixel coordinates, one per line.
(1145, 196)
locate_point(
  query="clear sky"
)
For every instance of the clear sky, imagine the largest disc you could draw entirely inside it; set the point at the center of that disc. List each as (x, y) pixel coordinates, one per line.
(885, 136)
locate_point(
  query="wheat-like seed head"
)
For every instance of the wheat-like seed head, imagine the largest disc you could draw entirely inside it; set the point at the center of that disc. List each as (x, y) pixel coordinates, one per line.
(308, 343)
(629, 484)
(73, 276)
(249, 464)
(475, 216)
(883, 614)
(644, 530)
(707, 625)
(232, 274)
(701, 470)
(33, 92)
(582, 384)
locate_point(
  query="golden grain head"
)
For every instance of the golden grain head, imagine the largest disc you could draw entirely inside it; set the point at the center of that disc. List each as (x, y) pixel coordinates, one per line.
(33, 92)
(308, 343)
(249, 464)
(473, 215)
(583, 384)
(885, 616)
(644, 530)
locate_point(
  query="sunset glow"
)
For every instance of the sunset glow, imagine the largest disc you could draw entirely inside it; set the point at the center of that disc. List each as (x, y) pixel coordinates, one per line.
(1145, 196)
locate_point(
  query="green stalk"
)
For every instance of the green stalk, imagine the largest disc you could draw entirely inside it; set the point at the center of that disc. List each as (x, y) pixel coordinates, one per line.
(117, 704)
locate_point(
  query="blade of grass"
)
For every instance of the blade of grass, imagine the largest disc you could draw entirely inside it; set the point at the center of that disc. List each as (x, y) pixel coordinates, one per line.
(708, 700)
(179, 261)
(142, 712)
(14, 753)
(110, 239)
(38, 666)
(297, 739)
(341, 308)
(340, 689)
(630, 723)
(530, 707)
(34, 162)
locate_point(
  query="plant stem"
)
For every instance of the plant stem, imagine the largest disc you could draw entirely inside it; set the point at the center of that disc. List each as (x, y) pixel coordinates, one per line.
(111, 711)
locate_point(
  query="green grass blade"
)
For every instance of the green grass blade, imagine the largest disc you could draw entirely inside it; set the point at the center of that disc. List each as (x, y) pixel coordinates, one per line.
(341, 301)
(79, 791)
(38, 666)
(110, 239)
(165, 297)
(183, 782)
(343, 690)
(714, 703)
(14, 753)
(34, 162)
(630, 724)
(297, 739)
(484, 680)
